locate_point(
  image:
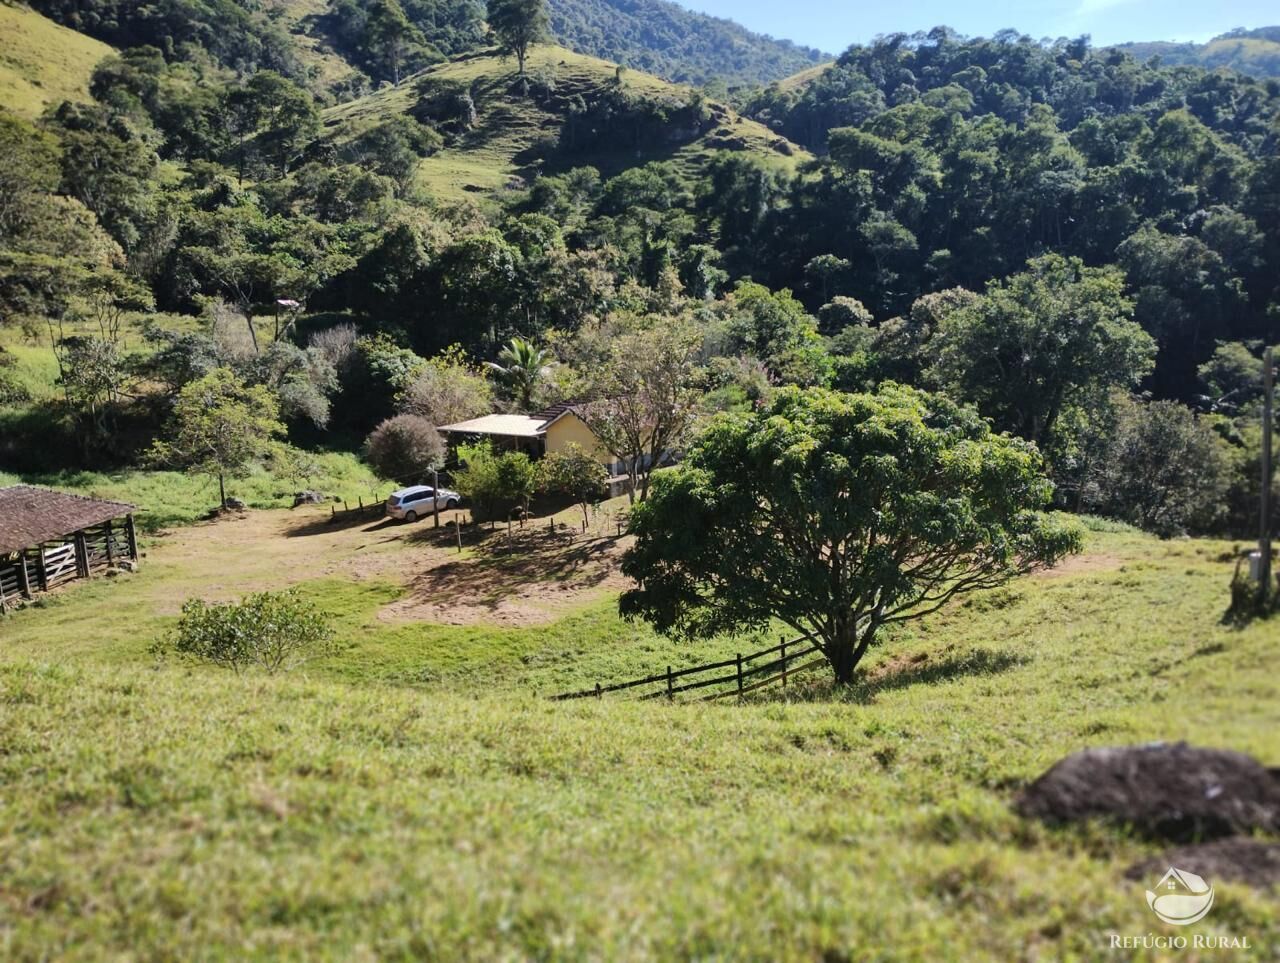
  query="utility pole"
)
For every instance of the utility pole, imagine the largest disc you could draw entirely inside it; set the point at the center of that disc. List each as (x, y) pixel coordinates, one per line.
(1268, 427)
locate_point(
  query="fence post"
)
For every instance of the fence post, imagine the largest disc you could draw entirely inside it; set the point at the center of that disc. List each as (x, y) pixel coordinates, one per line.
(551, 524)
(41, 572)
(131, 539)
(111, 550)
(739, 673)
(670, 694)
(457, 527)
(784, 661)
(82, 555)
(599, 695)
(24, 576)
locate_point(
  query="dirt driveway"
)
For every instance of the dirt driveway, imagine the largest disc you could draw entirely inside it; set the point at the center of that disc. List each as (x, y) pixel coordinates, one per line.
(529, 578)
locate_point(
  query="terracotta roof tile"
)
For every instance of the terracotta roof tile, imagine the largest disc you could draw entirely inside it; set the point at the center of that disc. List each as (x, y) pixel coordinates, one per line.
(30, 515)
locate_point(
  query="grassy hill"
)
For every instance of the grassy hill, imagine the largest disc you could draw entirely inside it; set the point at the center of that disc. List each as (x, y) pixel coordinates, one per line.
(41, 62)
(506, 145)
(411, 796)
(1254, 52)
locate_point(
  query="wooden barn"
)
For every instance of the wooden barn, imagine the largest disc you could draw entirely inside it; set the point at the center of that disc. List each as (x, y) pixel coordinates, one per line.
(48, 538)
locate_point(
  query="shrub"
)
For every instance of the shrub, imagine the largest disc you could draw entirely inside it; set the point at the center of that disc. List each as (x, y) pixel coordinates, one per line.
(495, 484)
(273, 630)
(575, 473)
(405, 448)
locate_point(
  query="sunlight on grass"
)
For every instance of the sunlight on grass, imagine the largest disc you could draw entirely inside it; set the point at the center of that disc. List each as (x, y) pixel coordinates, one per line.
(414, 795)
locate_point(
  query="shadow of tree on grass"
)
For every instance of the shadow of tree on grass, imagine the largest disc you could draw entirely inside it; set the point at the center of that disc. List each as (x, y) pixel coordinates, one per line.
(505, 565)
(894, 674)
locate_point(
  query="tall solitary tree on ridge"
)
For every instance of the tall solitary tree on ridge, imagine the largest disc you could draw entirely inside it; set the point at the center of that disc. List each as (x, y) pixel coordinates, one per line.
(518, 25)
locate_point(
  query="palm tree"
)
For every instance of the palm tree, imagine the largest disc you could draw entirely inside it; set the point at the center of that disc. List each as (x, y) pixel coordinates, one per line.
(522, 366)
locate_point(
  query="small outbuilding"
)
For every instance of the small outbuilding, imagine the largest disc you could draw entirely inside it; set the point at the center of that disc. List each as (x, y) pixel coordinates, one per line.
(48, 538)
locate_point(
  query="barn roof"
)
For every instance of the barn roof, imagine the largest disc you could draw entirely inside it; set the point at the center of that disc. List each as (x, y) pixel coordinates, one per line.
(29, 515)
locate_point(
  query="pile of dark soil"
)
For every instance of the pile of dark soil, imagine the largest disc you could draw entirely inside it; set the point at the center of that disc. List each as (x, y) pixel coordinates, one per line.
(1167, 791)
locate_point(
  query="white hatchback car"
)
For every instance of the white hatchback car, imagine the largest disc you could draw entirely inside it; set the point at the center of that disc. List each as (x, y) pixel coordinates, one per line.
(415, 501)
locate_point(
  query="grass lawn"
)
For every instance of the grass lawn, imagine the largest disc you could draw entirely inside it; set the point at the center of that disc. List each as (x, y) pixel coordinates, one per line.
(411, 797)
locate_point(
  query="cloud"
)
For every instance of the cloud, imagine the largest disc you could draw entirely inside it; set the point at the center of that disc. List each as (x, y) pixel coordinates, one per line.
(1089, 7)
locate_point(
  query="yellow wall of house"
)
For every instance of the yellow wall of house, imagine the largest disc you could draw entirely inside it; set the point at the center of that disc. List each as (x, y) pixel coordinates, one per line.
(570, 429)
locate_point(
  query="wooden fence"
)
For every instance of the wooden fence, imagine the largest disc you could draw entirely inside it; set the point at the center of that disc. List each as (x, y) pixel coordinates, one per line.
(748, 674)
(374, 509)
(84, 554)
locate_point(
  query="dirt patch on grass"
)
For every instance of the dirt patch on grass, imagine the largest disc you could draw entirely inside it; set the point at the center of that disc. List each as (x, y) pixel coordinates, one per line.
(530, 579)
(267, 550)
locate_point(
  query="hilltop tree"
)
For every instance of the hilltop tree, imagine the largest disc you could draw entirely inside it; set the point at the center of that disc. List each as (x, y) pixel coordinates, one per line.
(220, 427)
(518, 25)
(838, 515)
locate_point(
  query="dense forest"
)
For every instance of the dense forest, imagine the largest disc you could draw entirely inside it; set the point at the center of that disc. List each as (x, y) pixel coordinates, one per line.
(664, 38)
(1083, 246)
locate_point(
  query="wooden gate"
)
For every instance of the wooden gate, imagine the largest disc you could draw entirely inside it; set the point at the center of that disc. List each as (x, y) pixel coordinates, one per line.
(59, 564)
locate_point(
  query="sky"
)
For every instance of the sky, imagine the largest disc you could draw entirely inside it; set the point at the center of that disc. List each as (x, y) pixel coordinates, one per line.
(832, 25)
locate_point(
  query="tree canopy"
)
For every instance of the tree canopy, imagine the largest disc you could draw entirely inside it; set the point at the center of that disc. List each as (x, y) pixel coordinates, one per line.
(838, 514)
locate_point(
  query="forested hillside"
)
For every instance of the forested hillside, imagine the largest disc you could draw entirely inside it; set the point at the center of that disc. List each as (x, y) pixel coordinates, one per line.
(1254, 52)
(664, 38)
(342, 47)
(1082, 246)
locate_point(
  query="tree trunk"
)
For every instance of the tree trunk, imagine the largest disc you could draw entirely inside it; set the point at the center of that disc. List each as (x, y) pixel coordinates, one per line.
(222, 491)
(253, 333)
(846, 649)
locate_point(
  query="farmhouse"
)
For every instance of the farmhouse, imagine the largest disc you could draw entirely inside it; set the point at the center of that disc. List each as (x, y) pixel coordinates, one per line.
(48, 538)
(546, 431)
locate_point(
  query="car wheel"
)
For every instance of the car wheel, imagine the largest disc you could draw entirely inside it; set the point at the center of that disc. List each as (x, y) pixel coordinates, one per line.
(411, 516)
(451, 503)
